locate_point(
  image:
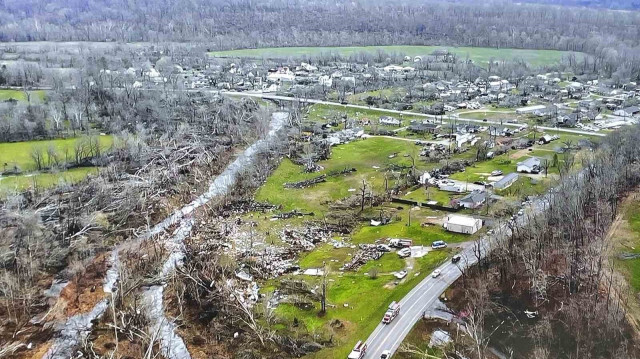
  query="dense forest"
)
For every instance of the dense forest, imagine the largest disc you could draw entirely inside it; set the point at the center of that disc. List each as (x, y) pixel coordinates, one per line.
(610, 36)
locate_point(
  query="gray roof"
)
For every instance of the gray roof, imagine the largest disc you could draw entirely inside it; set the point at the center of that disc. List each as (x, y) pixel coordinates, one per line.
(530, 162)
(506, 179)
(474, 197)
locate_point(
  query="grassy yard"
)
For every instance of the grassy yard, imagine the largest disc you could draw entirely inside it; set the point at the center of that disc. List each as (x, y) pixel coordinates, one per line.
(362, 155)
(419, 234)
(359, 98)
(21, 96)
(480, 55)
(19, 153)
(366, 300)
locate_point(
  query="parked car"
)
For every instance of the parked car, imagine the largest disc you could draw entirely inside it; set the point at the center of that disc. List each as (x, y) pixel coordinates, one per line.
(404, 252)
(385, 354)
(383, 248)
(401, 274)
(436, 273)
(456, 258)
(496, 173)
(439, 245)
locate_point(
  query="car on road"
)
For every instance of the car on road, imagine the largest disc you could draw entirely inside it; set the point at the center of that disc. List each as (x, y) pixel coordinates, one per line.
(439, 245)
(404, 252)
(401, 274)
(436, 273)
(496, 173)
(456, 258)
(484, 120)
(385, 354)
(358, 351)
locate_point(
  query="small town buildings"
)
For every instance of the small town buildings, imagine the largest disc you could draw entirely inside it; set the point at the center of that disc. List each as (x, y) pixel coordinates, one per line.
(473, 200)
(462, 224)
(424, 128)
(530, 109)
(389, 121)
(627, 112)
(506, 181)
(530, 165)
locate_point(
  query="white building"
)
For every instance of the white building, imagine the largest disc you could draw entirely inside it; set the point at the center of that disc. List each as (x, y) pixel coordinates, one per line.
(530, 165)
(462, 224)
(530, 109)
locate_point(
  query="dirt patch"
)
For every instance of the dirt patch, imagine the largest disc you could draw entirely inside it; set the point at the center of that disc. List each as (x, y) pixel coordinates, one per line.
(84, 291)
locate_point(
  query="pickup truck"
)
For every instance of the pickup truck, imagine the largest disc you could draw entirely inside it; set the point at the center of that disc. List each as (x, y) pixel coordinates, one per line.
(400, 243)
(392, 312)
(358, 351)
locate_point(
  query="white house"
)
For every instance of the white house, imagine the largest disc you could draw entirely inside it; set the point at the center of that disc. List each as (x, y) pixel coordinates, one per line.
(389, 121)
(627, 112)
(530, 109)
(462, 224)
(530, 165)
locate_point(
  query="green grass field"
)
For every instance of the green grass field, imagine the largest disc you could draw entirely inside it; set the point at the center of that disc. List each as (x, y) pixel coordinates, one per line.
(480, 55)
(18, 95)
(366, 298)
(44, 180)
(362, 155)
(19, 153)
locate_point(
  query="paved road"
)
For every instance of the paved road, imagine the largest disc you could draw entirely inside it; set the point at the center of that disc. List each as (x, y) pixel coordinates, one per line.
(404, 113)
(424, 295)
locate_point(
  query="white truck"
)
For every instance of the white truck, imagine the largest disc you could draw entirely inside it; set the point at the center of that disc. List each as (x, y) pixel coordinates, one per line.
(400, 243)
(358, 351)
(392, 312)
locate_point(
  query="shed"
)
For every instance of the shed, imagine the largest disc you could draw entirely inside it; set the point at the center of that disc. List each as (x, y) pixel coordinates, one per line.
(462, 224)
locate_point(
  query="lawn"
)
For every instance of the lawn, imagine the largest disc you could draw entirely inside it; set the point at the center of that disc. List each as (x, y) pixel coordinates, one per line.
(421, 235)
(19, 153)
(321, 113)
(479, 171)
(366, 301)
(362, 155)
(359, 98)
(19, 95)
(480, 55)
(44, 180)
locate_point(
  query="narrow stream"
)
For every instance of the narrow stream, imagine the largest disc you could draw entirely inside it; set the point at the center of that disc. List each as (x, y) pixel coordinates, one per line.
(77, 328)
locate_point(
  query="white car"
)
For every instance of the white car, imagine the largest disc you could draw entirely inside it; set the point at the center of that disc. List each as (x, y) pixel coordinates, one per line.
(436, 273)
(385, 354)
(496, 173)
(401, 274)
(404, 252)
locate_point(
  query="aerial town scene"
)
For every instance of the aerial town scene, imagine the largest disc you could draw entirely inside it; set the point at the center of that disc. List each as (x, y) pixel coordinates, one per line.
(319, 179)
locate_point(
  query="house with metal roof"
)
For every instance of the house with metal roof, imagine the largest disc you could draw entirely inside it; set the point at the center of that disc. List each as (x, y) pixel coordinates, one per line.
(506, 181)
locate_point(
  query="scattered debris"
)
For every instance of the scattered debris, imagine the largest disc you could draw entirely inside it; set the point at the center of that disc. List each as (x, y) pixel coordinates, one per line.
(306, 183)
(439, 338)
(367, 252)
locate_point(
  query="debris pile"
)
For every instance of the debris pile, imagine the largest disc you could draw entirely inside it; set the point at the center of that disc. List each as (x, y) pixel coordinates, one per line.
(304, 240)
(294, 213)
(306, 183)
(366, 253)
